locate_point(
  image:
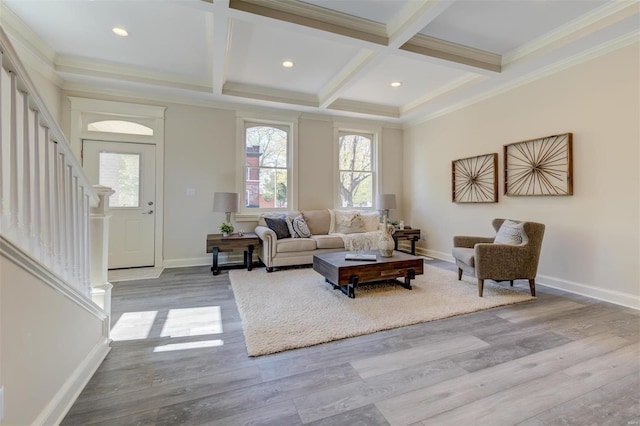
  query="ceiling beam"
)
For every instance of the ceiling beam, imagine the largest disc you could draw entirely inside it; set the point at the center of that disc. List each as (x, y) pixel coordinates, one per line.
(314, 17)
(412, 18)
(221, 39)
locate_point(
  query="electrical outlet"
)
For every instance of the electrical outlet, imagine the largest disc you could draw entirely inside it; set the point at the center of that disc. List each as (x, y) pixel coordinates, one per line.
(1, 403)
(191, 192)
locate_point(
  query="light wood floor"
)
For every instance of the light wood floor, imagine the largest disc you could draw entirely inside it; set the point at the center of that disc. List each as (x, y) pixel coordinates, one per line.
(562, 359)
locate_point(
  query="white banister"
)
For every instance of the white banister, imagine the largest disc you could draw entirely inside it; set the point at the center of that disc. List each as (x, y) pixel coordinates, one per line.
(100, 286)
(46, 198)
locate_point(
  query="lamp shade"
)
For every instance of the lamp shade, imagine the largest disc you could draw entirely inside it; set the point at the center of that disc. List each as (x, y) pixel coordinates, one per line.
(387, 201)
(225, 202)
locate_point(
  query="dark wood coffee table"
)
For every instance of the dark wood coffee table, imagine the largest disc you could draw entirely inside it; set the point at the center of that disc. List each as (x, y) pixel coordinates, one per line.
(345, 275)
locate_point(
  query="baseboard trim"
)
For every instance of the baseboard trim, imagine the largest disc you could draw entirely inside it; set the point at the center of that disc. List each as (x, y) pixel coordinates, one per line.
(63, 400)
(616, 297)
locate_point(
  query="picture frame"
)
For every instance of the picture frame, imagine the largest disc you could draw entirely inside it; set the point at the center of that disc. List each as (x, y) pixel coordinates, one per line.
(475, 179)
(539, 167)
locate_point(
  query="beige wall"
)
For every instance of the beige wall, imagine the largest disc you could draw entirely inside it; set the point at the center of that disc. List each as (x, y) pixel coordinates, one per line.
(199, 154)
(591, 242)
(45, 338)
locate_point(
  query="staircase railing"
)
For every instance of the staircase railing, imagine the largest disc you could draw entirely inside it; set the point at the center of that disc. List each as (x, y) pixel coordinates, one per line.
(45, 197)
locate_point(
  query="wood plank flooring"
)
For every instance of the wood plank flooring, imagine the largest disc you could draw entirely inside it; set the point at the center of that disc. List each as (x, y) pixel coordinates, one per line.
(563, 359)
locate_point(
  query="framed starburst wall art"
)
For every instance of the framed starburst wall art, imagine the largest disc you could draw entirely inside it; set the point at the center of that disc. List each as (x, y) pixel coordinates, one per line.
(475, 179)
(539, 166)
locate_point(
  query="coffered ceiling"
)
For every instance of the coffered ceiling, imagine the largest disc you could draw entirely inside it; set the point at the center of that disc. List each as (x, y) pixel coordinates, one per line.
(346, 53)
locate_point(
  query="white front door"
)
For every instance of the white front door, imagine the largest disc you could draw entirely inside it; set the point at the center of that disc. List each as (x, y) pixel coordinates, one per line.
(128, 169)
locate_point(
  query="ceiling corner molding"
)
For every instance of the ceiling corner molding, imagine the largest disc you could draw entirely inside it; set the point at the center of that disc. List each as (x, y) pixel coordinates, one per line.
(269, 94)
(579, 58)
(14, 26)
(453, 52)
(581, 27)
(463, 83)
(315, 17)
(71, 65)
(365, 108)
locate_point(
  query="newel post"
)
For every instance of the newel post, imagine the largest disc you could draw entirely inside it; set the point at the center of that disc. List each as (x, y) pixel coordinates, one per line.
(100, 286)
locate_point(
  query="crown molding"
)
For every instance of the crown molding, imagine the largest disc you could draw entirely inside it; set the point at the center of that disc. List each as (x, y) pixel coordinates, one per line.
(453, 52)
(365, 108)
(315, 17)
(269, 94)
(577, 59)
(92, 68)
(14, 26)
(465, 82)
(591, 22)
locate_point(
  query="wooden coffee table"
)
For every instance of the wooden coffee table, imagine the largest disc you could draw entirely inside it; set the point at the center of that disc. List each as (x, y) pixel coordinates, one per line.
(345, 275)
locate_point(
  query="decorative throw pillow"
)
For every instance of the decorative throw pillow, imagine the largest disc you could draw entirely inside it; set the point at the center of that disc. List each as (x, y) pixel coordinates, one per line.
(292, 231)
(511, 233)
(350, 224)
(371, 220)
(301, 228)
(279, 226)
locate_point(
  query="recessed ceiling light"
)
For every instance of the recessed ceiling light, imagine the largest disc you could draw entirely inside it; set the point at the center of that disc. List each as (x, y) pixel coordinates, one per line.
(120, 31)
(287, 64)
(396, 84)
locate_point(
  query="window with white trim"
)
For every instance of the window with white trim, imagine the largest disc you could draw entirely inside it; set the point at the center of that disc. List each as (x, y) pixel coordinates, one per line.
(357, 169)
(268, 166)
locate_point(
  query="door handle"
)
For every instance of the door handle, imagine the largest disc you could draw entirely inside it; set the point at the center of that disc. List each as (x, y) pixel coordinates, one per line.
(147, 212)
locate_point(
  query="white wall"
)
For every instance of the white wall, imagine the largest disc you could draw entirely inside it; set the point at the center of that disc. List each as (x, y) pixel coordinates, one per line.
(45, 339)
(592, 238)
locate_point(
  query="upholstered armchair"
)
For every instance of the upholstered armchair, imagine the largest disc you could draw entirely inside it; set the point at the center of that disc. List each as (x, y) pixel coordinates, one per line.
(483, 258)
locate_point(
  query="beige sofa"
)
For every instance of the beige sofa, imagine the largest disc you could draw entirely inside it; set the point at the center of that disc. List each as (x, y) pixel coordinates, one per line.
(274, 252)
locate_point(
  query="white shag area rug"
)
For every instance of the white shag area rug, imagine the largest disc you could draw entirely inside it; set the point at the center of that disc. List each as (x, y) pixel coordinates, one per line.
(295, 308)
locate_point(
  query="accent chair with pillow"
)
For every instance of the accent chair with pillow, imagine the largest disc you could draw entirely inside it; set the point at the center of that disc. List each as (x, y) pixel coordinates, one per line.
(512, 254)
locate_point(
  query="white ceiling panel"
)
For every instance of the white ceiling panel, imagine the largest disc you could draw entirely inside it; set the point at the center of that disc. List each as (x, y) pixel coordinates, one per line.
(500, 26)
(257, 52)
(419, 78)
(164, 36)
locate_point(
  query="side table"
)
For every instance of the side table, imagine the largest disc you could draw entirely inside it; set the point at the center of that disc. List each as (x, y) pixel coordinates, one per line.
(216, 243)
(410, 234)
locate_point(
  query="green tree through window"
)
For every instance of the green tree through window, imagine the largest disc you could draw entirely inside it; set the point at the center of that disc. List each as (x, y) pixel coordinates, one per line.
(266, 162)
(355, 164)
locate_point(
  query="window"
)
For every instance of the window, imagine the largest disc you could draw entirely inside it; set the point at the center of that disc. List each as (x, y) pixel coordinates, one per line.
(267, 166)
(119, 126)
(356, 170)
(121, 172)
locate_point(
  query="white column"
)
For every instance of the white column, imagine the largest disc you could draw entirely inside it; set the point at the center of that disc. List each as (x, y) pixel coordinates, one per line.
(100, 286)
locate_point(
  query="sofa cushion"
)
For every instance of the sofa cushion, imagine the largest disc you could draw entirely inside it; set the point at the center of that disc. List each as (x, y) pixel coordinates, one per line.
(511, 233)
(301, 228)
(264, 215)
(328, 241)
(289, 245)
(279, 226)
(465, 255)
(318, 221)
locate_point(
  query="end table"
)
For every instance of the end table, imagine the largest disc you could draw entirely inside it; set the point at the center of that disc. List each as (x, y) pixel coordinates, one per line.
(216, 243)
(407, 234)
